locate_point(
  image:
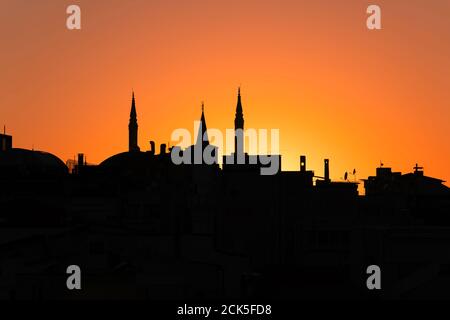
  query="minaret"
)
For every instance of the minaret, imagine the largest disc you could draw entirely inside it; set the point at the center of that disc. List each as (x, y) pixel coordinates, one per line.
(133, 128)
(239, 124)
(202, 130)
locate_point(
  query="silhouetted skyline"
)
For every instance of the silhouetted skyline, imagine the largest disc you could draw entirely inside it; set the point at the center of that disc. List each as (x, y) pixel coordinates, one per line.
(332, 87)
(98, 202)
(146, 228)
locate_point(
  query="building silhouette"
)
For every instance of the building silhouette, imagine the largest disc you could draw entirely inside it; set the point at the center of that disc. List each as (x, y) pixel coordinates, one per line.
(142, 227)
(5, 142)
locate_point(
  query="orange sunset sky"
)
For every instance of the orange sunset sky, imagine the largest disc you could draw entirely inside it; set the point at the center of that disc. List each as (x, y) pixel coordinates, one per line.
(309, 68)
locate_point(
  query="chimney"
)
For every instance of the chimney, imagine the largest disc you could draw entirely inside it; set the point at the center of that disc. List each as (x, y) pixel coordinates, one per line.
(152, 147)
(80, 159)
(162, 148)
(327, 170)
(302, 163)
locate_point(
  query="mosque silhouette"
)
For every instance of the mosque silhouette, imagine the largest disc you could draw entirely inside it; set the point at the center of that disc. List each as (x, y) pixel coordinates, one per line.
(141, 227)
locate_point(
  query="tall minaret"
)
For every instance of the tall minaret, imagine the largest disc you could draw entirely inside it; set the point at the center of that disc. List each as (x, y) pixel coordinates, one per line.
(239, 124)
(133, 128)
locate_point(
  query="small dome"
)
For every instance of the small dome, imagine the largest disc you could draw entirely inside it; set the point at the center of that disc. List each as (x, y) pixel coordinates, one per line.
(22, 162)
(123, 159)
(135, 163)
(127, 162)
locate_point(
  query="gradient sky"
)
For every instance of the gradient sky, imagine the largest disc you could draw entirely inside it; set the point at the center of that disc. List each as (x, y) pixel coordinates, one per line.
(310, 68)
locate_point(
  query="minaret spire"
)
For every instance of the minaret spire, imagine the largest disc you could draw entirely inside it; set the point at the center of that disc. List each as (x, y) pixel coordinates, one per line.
(133, 114)
(202, 129)
(239, 127)
(239, 105)
(133, 127)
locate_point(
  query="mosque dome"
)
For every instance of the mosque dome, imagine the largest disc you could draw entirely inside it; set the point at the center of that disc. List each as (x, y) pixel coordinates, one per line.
(23, 162)
(127, 161)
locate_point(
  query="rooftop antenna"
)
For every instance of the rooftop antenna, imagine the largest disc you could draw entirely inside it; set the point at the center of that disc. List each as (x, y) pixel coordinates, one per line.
(417, 168)
(4, 129)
